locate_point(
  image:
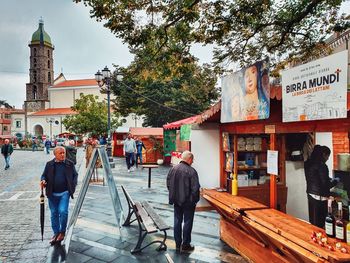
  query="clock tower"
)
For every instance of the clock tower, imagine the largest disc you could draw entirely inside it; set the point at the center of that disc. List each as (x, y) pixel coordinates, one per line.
(40, 70)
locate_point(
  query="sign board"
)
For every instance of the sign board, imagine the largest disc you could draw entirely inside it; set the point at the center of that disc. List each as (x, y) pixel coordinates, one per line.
(246, 94)
(270, 129)
(99, 152)
(272, 162)
(316, 90)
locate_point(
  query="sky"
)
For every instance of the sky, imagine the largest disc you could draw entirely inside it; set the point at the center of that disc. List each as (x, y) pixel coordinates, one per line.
(82, 45)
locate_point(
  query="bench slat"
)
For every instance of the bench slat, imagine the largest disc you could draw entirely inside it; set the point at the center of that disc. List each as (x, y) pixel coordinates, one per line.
(157, 220)
(146, 219)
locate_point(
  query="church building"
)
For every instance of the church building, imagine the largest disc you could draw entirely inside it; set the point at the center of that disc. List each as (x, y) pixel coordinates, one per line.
(48, 100)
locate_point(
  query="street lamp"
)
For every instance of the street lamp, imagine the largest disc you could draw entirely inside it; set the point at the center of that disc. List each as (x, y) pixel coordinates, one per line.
(136, 118)
(50, 120)
(104, 79)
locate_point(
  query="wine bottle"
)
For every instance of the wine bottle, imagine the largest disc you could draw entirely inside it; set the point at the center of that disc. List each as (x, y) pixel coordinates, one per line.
(339, 224)
(348, 230)
(329, 222)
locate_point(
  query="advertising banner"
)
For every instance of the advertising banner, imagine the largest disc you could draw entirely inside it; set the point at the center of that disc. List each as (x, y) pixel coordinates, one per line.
(246, 94)
(316, 90)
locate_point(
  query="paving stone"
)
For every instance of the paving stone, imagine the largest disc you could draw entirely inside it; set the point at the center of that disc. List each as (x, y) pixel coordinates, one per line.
(101, 254)
(77, 257)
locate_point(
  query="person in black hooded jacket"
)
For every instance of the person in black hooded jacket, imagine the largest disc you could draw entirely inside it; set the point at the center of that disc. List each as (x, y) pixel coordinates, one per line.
(318, 184)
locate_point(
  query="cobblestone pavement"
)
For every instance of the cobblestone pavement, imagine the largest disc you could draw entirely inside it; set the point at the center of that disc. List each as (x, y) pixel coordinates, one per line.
(20, 238)
(95, 237)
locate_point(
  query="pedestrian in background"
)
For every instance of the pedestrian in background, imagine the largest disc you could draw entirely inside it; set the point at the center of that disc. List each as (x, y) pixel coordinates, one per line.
(47, 146)
(129, 149)
(183, 186)
(6, 151)
(139, 146)
(71, 152)
(59, 179)
(34, 144)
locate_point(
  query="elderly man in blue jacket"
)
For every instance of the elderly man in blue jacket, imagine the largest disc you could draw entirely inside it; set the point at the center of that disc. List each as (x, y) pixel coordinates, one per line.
(183, 186)
(60, 179)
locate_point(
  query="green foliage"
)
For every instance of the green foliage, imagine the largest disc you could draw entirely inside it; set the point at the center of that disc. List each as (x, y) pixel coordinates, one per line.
(91, 117)
(242, 31)
(166, 87)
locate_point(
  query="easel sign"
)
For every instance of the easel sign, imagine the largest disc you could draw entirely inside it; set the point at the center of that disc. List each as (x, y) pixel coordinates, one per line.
(272, 162)
(118, 210)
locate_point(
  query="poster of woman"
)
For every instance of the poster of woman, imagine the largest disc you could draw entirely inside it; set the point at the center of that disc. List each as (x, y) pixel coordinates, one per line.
(246, 94)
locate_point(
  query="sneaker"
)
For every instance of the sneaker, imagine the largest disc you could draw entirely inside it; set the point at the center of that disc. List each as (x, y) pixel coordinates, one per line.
(60, 237)
(187, 248)
(128, 170)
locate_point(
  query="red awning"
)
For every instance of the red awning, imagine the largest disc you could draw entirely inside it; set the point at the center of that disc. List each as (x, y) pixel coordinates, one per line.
(178, 124)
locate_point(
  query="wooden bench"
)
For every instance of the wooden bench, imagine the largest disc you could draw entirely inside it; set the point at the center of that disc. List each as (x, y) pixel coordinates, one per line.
(148, 221)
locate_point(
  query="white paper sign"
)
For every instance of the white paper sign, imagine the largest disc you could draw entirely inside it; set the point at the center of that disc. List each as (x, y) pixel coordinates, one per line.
(316, 90)
(272, 162)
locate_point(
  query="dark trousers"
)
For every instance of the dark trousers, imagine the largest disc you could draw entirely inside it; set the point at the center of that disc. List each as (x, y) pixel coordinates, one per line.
(129, 159)
(317, 211)
(138, 157)
(183, 213)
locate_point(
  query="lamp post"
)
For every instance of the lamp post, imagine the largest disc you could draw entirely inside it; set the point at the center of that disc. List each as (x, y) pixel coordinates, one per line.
(104, 79)
(50, 120)
(135, 118)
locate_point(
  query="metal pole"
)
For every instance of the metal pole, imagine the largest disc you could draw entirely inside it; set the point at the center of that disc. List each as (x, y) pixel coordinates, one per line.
(109, 147)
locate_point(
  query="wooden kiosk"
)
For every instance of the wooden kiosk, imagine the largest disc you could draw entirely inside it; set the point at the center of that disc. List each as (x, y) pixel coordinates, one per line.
(254, 222)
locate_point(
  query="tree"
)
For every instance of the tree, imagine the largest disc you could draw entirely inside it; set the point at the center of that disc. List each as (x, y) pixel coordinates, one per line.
(5, 104)
(166, 87)
(90, 117)
(243, 31)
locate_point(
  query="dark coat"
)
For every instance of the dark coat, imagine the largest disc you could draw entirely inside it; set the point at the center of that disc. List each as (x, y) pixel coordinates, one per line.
(183, 184)
(9, 149)
(70, 173)
(71, 154)
(317, 179)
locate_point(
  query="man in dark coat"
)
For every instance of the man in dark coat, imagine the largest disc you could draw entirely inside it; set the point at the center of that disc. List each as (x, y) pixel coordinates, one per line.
(183, 186)
(6, 151)
(71, 152)
(60, 179)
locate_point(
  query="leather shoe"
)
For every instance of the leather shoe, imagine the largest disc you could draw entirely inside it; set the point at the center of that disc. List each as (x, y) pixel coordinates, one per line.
(60, 237)
(53, 239)
(187, 248)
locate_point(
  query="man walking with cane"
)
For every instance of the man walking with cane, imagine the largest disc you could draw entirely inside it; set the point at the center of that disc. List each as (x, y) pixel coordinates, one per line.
(6, 151)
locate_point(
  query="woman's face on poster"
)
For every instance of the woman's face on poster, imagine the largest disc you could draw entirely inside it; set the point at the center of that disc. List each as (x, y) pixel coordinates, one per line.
(251, 79)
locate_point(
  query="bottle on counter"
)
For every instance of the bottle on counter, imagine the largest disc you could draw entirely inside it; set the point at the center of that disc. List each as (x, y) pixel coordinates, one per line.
(348, 230)
(330, 221)
(339, 224)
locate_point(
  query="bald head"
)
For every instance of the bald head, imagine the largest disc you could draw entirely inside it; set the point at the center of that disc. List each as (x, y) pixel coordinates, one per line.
(7, 141)
(187, 157)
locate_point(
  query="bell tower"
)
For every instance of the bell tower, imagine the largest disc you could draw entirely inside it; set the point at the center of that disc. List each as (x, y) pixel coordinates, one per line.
(40, 70)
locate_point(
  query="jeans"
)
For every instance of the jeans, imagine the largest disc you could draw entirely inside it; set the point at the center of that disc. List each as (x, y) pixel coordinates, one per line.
(129, 160)
(317, 211)
(7, 161)
(138, 156)
(183, 213)
(47, 149)
(58, 204)
(34, 147)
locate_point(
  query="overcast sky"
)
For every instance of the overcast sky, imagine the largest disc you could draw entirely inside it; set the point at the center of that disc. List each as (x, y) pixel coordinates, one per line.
(82, 45)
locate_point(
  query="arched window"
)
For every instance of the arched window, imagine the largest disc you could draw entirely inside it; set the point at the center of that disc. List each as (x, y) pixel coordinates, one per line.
(34, 51)
(34, 76)
(48, 53)
(49, 77)
(34, 61)
(35, 93)
(48, 64)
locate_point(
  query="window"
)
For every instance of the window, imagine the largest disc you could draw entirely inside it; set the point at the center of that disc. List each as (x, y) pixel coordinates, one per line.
(5, 128)
(7, 116)
(34, 51)
(48, 64)
(18, 124)
(34, 61)
(49, 77)
(34, 76)
(34, 93)
(48, 53)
